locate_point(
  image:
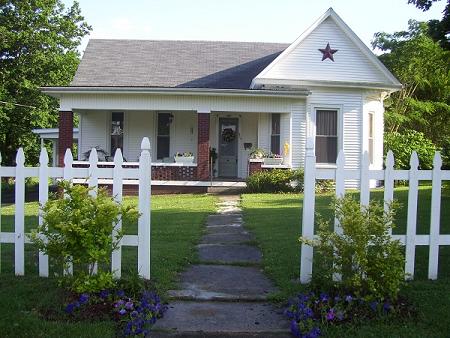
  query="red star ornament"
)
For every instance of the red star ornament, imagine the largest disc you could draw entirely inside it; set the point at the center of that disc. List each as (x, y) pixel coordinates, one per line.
(327, 52)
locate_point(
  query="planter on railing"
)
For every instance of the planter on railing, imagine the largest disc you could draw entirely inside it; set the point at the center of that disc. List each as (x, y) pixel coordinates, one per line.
(273, 160)
(184, 159)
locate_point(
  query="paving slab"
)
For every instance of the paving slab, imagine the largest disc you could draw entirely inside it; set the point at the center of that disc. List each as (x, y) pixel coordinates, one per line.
(223, 282)
(224, 219)
(229, 253)
(226, 229)
(220, 317)
(226, 238)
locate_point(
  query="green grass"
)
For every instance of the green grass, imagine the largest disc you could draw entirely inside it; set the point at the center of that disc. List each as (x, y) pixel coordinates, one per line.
(275, 219)
(177, 223)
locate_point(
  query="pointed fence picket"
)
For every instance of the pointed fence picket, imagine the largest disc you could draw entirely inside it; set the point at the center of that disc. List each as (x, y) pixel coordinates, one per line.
(91, 176)
(389, 175)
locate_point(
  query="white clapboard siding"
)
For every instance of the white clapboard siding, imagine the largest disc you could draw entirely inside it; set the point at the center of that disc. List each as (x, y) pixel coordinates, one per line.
(363, 176)
(91, 176)
(304, 62)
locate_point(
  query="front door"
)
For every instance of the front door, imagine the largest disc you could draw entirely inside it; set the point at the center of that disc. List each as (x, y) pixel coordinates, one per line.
(228, 147)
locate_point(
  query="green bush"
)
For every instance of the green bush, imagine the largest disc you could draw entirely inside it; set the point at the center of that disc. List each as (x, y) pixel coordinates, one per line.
(370, 262)
(78, 229)
(404, 143)
(277, 180)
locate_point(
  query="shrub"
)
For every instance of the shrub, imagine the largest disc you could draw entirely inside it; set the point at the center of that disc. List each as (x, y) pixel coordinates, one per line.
(370, 262)
(277, 180)
(78, 230)
(403, 144)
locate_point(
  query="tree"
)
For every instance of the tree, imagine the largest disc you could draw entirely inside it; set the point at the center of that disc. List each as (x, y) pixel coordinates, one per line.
(39, 40)
(438, 30)
(423, 67)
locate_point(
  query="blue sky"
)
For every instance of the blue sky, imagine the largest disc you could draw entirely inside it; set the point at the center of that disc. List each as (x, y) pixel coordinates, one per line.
(242, 20)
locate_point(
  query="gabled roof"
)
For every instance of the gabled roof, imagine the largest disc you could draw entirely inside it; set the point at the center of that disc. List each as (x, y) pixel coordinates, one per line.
(378, 69)
(179, 64)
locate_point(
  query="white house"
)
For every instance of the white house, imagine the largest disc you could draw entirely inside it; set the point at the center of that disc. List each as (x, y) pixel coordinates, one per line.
(190, 96)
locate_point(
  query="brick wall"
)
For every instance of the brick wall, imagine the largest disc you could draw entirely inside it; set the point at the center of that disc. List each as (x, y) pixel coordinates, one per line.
(203, 147)
(65, 139)
(166, 173)
(254, 167)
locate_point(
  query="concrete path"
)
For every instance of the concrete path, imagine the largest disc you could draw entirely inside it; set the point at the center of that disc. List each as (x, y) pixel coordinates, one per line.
(226, 293)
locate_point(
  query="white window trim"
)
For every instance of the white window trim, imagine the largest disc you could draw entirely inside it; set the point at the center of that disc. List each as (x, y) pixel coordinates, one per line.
(340, 126)
(371, 156)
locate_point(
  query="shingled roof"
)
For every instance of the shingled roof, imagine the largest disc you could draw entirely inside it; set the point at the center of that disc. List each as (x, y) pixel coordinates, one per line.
(183, 64)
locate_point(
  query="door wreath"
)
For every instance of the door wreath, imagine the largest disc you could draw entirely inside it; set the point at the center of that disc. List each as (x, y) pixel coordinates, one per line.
(228, 135)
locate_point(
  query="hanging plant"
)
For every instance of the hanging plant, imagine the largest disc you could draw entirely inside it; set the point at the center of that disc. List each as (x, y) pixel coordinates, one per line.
(228, 135)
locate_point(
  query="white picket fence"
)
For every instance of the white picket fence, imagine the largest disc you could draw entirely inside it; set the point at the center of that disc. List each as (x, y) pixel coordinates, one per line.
(92, 174)
(411, 239)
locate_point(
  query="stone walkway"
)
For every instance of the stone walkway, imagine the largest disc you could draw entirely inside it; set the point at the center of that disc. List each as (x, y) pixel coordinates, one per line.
(226, 293)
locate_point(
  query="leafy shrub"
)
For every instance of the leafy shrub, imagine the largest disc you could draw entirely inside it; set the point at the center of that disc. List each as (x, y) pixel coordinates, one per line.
(370, 262)
(277, 180)
(403, 144)
(78, 230)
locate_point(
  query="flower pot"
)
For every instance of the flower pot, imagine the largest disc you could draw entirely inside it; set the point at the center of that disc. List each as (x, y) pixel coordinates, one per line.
(184, 159)
(272, 161)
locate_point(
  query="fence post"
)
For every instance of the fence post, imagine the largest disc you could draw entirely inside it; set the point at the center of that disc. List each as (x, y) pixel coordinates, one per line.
(340, 192)
(68, 176)
(43, 198)
(19, 217)
(0, 211)
(93, 184)
(306, 257)
(389, 182)
(116, 260)
(435, 217)
(144, 225)
(364, 183)
(411, 224)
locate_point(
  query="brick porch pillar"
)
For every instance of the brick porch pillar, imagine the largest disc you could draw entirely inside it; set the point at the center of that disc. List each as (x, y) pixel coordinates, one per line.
(65, 138)
(203, 146)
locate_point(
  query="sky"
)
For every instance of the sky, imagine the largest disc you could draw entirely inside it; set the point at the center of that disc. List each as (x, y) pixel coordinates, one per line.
(241, 20)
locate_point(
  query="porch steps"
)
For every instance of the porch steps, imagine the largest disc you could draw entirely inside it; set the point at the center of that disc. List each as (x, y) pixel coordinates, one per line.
(225, 294)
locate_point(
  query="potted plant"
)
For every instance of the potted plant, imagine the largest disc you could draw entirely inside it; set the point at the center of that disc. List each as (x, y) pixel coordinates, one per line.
(186, 157)
(257, 153)
(273, 159)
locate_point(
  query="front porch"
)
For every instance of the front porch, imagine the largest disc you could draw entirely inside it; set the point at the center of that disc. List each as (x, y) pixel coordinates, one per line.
(219, 142)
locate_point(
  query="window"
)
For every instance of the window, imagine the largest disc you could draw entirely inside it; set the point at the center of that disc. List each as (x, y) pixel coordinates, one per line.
(371, 137)
(163, 138)
(326, 135)
(116, 132)
(275, 134)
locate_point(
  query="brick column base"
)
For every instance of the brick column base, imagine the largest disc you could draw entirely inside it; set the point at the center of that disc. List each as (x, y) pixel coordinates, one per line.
(254, 167)
(65, 138)
(203, 147)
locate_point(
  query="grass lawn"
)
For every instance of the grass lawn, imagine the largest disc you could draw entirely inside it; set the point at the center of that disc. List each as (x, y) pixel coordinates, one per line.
(177, 222)
(275, 219)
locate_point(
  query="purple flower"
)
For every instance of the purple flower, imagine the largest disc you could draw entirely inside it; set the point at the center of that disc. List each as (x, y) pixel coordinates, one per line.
(122, 312)
(323, 297)
(373, 306)
(121, 293)
(104, 294)
(348, 298)
(314, 333)
(129, 305)
(134, 314)
(294, 329)
(386, 307)
(330, 314)
(119, 303)
(84, 298)
(69, 308)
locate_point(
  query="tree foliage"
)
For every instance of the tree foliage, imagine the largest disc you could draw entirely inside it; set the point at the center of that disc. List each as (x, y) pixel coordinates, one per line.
(423, 67)
(38, 47)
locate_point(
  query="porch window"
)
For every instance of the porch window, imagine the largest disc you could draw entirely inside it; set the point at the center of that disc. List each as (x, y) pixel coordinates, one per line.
(371, 137)
(326, 136)
(163, 138)
(275, 134)
(116, 132)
